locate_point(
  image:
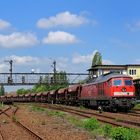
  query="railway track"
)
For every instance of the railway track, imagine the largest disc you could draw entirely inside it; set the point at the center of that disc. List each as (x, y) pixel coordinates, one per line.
(136, 109)
(115, 121)
(18, 123)
(1, 136)
(132, 113)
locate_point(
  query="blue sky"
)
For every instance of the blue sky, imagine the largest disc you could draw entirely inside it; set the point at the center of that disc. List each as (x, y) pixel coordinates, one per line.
(35, 32)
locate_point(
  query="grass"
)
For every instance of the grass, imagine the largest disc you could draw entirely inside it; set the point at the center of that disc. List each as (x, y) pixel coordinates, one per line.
(74, 121)
(14, 118)
(82, 107)
(47, 111)
(137, 106)
(1, 105)
(93, 126)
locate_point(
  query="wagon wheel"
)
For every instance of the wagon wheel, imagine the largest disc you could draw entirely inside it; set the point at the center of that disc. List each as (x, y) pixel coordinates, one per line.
(114, 109)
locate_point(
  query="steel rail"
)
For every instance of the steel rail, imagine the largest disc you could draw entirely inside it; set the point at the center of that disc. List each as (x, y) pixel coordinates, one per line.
(1, 135)
(100, 117)
(22, 126)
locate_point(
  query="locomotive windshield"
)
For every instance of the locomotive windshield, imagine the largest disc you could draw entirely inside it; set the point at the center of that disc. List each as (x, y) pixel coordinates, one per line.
(117, 82)
(128, 82)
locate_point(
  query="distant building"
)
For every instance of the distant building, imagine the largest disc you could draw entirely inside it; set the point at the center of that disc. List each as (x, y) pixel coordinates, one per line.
(132, 70)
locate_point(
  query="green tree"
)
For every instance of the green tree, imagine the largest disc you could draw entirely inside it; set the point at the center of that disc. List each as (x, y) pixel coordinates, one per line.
(97, 59)
(23, 91)
(41, 88)
(2, 90)
(51, 83)
(61, 77)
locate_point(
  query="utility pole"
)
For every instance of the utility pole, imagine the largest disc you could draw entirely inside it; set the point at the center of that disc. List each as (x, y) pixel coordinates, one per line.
(10, 79)
(54, 67)
(54, 71)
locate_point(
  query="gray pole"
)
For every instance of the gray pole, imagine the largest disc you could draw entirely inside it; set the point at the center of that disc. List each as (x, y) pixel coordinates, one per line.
(54, 70)
(10, 80)
(11, 64)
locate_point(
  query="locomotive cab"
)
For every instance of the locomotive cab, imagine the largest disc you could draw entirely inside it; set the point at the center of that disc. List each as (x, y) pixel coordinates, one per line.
(122, 87)
(123, 92)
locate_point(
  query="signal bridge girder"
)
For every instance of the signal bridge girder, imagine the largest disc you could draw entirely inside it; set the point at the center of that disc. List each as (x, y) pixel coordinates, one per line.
(43, 78)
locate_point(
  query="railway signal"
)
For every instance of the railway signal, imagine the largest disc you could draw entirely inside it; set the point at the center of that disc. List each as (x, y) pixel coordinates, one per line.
(10, 79)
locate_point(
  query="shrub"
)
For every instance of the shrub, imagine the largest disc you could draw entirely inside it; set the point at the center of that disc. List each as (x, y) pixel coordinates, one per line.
(107, 130)
(91, 124)
(82, 107)
(75, 121)
(120, 133)
(137, 106)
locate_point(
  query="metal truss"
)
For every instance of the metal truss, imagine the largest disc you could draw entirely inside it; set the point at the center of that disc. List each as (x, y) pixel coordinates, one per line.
(7, 79)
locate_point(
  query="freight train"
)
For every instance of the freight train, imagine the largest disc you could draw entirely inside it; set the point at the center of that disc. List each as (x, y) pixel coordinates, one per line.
(110, 91)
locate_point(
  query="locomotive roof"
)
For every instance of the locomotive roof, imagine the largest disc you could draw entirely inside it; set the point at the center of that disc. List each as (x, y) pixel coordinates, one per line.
(108, 76)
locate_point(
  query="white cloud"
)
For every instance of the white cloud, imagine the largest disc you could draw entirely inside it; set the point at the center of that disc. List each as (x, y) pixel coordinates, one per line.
(18, 39)
(78, 58)
(24, 60)
(39, 64)
(3, 67)
(59, 37)
(87, 59)
(79, 63)
(108, 62)
(135, 26)
(62, 63)
(4, 24)
(62, 19)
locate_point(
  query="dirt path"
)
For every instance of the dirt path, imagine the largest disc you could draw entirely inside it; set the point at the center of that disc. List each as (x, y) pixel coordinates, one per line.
(50, 127)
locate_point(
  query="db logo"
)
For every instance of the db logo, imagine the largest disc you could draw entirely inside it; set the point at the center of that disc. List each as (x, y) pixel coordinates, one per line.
(123, 89)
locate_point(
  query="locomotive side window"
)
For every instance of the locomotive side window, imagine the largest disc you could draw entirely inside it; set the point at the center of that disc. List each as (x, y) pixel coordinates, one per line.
(117, 82)
(128, 82)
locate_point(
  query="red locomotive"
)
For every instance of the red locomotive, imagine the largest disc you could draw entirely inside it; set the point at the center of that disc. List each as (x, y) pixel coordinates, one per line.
(110, 91)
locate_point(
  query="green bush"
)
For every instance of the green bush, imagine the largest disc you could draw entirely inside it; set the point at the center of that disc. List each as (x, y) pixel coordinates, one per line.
(91, 124)
(107, 130)
(82, 107)
(120, 133)
(75, 121)
(137, 106)
(23, 91)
